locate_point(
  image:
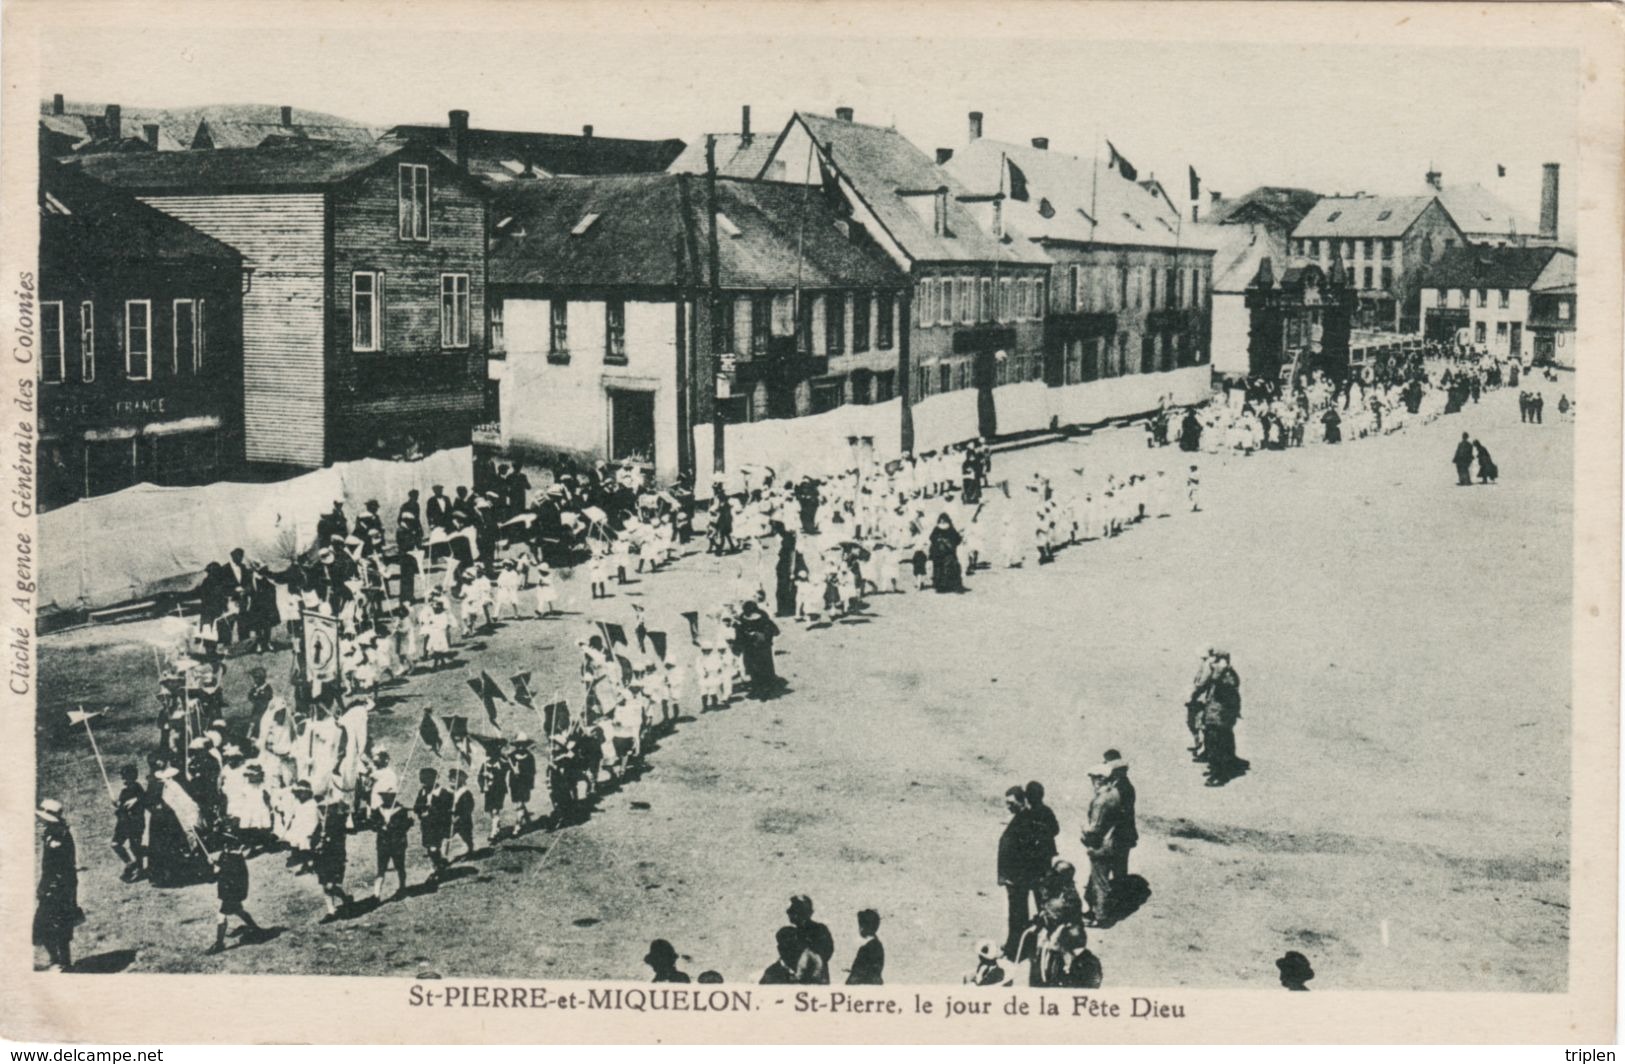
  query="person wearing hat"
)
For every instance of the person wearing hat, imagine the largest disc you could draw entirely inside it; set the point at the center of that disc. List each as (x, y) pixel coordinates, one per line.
(437, 508)
(390, 823)
(1021, 865)
(56, 898)
(231, 887)
(662, 960)
(815, 940)
(1129, 831)
(1103, 836)
(433, 810)
(302, 819)
(1220, 715)
(130, 823)
(989, 970)
(331, 856)
(1195, 705)
(796, 964)
(522, 777)
(1295, 970)
(493, 783)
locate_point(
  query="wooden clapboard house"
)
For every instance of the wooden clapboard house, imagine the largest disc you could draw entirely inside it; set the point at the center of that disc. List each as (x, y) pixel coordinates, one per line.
(364, 295)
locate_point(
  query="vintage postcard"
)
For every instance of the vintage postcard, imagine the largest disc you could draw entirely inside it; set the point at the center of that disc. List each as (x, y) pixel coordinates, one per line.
(797, 521)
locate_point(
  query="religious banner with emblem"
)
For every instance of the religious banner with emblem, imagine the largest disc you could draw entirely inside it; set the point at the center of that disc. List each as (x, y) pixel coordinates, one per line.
(321, 650)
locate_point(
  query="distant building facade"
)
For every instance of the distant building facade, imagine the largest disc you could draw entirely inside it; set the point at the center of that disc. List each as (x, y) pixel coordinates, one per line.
(1128, 290)
(1385, 243)
(140, 344)
(364, 306)
(615, 336)
(1243, 233)
(1300, 321)
(498, 157)
(1512, 302)
(980, 295)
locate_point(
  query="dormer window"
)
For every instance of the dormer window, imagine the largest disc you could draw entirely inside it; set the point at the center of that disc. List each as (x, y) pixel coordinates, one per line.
(1334, 216)
(586, 223)
(1384, 216)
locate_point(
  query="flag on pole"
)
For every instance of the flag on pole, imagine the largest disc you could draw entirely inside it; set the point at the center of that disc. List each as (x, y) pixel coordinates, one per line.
(79, 716)
(1018, 181)
(429, 731)
(657, 643)
(457, 730)
(1122, 165)
(556, 717)
(693, 619)
(489, 695)
(1196, 185)
(320, 634)
(181, 803)
(521, 690)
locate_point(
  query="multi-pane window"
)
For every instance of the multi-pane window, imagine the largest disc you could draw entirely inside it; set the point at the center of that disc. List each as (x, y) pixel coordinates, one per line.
(1171, 288)
(615, 331)
(1038, 299)
(1483, 297)
(1369, 274)
(414, 201)
(53, 358)
(87, 342)
(722, 326)
(988, 310)
(860, 322)
(499, 338)
(138, 339)
(945, 381)
(367, 311)
(1506, 299)
(883, 322)
(1500, 330)
(1074, 278)
(1387, 249)
(761, 324)
(558, 339)
(835, 323)
(454, 310)
(1478, 331)
(1387, 276)
(185, 349)
(1005, 288)
(1370, 248)
(1562, 310)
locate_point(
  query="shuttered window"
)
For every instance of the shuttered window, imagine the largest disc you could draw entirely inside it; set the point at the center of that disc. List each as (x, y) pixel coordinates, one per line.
(414, 201)
(184, 350)
(53, 359)
(558, 341)
(860, 322)
(138, 339)
(883, 329)
(454, 310)
(87, 342)
(615, 332)
(366, 311)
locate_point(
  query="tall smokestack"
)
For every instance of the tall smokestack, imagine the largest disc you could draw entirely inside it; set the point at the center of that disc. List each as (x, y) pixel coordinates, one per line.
(287, 116)
(744, 126)
(458, 121)
(1548, 201)
(976, 125)
(57, 106)
(115, 125)
(151, 131)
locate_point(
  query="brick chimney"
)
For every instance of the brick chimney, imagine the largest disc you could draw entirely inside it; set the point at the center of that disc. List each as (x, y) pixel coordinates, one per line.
(1548, 201)
(586, 131)
(115, 124)
(287, 116)
(57, 106)
(151, 132)
(976, 125)
(943, 155)
(744, 126)
(458, 121)
(1041, 143)
(844, 113)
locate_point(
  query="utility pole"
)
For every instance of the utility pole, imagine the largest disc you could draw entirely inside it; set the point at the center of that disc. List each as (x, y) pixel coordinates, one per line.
(719, 461)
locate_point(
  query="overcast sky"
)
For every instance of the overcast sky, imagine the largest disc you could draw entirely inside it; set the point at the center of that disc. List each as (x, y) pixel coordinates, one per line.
(1334, 118)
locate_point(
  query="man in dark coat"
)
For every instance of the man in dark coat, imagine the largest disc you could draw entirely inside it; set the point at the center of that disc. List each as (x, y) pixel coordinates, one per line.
(231, 887)
(1464, 462)
(391, 823)
(795, 964)
(1019, 870)
(1190, 432)
(1103, 837)
(521, 777)
(807, 499)
(56, 908)
(1045, 825)
(869, 965)
(784, 587)
(437, 511)
(662, 960)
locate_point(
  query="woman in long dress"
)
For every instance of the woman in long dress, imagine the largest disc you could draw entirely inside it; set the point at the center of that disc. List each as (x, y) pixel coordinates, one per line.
(756, 631)
(944, 553)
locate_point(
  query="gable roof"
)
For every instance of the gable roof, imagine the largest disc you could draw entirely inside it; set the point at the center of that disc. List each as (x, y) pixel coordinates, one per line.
(1478, 210)
(880, 164)
(83, 221)
(1069, 198)
(1238, 249)
(225, 133)
(1275, 205)
(770, 235)
(83, 133)
(553, 154)
(292, 167)
(735, 158)
(1362, 216)
(1479, 266)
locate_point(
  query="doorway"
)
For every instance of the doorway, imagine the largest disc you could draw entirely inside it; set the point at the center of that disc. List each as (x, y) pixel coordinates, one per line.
(631, 425)
(1517, 339)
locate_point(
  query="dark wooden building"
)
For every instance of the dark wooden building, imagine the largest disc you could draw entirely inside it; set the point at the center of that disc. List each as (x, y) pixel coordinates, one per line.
(1300, 322)
(364, 305)
(140, 344)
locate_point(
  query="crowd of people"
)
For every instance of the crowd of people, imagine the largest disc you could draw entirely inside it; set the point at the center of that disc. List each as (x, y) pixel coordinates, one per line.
(300, 773)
